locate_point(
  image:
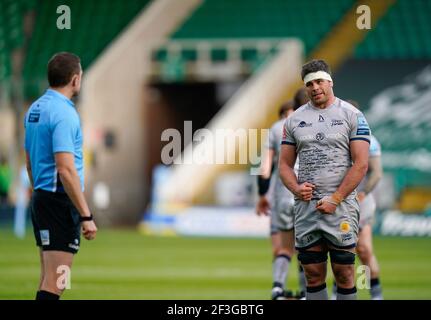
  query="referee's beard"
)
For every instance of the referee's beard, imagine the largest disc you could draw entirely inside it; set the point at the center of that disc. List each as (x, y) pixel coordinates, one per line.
(75, 97)
(75, 93)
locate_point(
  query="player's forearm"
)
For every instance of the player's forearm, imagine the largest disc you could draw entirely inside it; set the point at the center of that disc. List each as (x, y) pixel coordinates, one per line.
(288, 177)
(71, 183)
(376, 173)
(352, 179)
(372, 181)
(266, 167)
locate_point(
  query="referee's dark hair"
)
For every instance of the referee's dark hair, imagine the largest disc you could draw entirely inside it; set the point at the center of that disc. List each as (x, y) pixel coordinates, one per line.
(314, 66)
(61, 68)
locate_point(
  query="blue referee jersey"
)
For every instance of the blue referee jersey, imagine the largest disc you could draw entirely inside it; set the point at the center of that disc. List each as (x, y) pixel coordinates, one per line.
(52, 125)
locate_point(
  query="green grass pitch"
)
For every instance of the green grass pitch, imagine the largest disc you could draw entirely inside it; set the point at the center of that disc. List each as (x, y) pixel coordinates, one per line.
(124, 264)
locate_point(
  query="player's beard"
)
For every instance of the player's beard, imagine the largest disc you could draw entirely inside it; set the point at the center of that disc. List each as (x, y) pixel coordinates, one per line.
(75, 93)
(321, 100)
(75, 96)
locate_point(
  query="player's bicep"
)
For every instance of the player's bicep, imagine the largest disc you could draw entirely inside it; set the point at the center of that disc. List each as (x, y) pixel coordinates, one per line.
(359, 151)
(288, 146)
(287, 155)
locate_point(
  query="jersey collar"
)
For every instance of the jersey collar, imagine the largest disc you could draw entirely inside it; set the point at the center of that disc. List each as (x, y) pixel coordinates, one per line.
(327, 108)
(61, 96)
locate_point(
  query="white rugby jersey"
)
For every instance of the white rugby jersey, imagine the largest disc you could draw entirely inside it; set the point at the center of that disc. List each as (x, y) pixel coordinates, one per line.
(322, 139)
(275, 137)
(375, 151)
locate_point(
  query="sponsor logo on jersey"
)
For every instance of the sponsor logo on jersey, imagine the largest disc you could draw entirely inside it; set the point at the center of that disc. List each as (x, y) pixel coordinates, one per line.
(335, 122)
(363, 128)
(320, 136)
(304, 124)
(306, 137)
(346, 237)
(321, 119)
(334, 135)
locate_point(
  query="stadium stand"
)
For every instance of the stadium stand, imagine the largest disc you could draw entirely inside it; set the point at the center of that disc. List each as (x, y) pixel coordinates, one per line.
(403, 33)
(402, 123)
(277, 19)
(264, 19)
(11, 31)
(105, 19)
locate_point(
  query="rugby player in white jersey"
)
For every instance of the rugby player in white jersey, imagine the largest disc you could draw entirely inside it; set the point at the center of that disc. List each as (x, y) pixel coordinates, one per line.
(367, 208)
(279, 205)
(330, 138)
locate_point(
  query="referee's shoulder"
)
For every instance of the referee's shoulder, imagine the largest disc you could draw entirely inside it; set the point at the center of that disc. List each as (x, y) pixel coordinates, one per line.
(61, 111)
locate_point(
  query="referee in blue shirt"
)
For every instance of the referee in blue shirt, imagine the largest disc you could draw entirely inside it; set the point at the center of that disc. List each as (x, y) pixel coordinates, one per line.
(53, 145)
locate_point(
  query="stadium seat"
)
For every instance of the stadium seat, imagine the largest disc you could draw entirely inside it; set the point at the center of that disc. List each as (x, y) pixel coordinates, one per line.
(263, 19)
(256, 19)
(105, 20)
(403, 33)
(11, 31)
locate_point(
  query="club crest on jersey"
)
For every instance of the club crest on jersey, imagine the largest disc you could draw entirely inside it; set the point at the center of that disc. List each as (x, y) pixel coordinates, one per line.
(320, 136)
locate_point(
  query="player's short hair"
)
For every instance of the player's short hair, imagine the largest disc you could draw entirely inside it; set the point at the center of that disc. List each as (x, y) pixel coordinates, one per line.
(288, 105)
(314, 66)
(300, 98)
(62, 67)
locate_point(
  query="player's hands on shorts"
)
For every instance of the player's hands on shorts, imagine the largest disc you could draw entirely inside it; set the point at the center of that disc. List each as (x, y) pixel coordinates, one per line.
(89, 229)
(305, 191)
(326, 207)
(263, 206)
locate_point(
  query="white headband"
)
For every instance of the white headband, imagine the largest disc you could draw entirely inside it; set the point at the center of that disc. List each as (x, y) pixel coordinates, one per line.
(317, 75)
